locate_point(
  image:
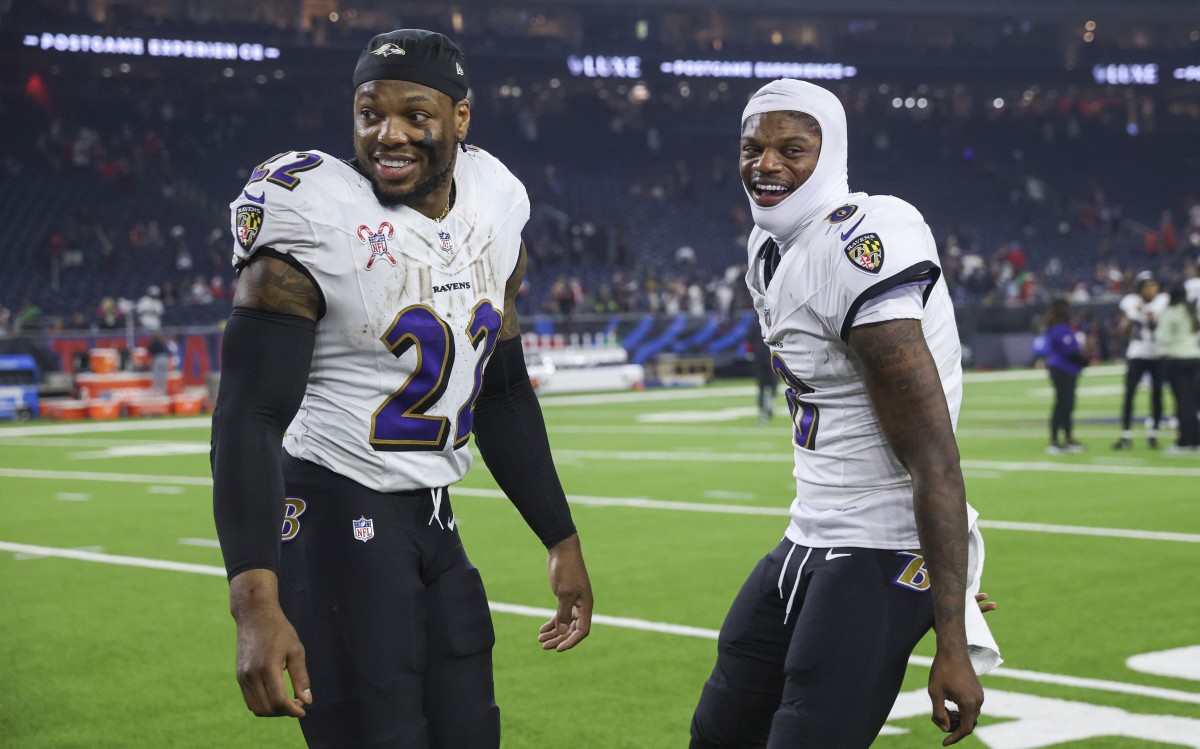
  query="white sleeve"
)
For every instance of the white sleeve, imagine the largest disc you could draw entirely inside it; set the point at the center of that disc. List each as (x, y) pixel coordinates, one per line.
(905, 302)
(887, 254)
(270, 213)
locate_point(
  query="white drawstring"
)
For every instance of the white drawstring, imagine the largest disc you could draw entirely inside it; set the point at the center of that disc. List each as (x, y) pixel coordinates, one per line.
(783, 571)
(795, 587)
(436, 493)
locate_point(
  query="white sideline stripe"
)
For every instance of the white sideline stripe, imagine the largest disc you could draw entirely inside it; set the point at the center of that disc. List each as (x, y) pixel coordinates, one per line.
(1081, 682)
(619, 621)
(632, 502)
(641, 503)
(600, 399)
(691, 456)
(1017, 375)
(82, 427)
(656, 396)
(127, 478)
(1121, 470)
(615, 621)
(90, 442)
(994, 465)
(91, 556)
(207, 543)
(1075, 530)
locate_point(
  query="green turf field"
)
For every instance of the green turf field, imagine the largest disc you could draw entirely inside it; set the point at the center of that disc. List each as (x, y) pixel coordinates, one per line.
(1093, 559)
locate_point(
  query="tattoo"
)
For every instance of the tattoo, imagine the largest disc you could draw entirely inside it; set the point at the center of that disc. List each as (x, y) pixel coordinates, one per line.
(511, 327)
(270, 284)
(428, 142)
(906, 391)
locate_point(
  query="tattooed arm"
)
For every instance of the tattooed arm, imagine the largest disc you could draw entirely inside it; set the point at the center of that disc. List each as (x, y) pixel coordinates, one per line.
(272, 285)
(511, 326)
(907, 394)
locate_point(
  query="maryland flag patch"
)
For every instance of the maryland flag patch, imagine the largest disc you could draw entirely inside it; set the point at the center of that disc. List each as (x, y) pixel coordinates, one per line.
(248, 220)
(866, 252)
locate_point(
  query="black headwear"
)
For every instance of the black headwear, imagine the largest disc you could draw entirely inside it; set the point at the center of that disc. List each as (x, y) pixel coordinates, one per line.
(415, 55)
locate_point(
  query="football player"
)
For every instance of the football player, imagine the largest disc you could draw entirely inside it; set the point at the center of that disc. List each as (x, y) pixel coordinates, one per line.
(1140, 311)
(862, 330)
(374, 330)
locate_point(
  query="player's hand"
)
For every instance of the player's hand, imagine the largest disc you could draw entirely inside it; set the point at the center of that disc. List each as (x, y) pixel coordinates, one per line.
(570, 584)
(984, 604)
(953, 678)
(267, 645)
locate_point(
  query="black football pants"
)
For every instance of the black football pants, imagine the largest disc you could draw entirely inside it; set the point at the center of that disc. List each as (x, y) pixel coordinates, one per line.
(825, 674)
(1135, 369)
(392, 615)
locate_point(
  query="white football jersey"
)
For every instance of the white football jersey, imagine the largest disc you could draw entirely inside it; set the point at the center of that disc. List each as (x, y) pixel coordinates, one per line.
(411, 309)
(1141, 335)
(850, 488)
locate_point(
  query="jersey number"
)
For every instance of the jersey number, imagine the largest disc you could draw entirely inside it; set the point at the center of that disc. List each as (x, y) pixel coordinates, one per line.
(805, 416)
(285, 174)
(402, 422)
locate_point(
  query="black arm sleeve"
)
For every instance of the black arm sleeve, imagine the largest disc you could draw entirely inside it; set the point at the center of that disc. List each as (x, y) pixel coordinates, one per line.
(511, 436)
(265, 357)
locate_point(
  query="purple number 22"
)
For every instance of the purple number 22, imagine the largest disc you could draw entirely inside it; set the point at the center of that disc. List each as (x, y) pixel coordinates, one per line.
(285, 174)
(401, 422)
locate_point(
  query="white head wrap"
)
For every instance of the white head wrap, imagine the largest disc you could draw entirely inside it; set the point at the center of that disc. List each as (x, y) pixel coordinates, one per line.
(829, 180)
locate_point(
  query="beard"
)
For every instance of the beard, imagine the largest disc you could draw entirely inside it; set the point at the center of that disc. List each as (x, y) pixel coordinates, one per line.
(440, 159)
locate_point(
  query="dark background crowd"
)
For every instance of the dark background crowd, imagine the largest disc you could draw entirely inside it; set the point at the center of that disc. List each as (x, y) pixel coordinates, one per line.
(1038, 180)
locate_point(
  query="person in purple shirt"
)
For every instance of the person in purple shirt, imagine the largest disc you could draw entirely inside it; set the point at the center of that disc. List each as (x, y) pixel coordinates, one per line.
(1065, 360)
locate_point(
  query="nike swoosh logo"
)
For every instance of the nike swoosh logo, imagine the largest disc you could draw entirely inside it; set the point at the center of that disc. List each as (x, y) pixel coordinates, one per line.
(846, 234)
(263, 199)
(829, 554)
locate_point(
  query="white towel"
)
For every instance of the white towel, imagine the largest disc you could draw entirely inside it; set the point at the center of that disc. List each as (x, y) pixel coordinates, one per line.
(982, 647)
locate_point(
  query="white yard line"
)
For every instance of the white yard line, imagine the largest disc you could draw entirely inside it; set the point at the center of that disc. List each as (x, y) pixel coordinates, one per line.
(86, 427)
(1017, 375)
(597, 399)
(1076, 530)
(86, 442)
(120, 478)
(641, 503)
(682, 630)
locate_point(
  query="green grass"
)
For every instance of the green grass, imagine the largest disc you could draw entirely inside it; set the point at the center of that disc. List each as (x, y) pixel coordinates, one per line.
(102, 655)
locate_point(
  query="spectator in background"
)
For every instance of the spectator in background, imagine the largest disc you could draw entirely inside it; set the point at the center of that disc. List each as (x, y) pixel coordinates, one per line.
(217, 290)
(108, 315)
(160, 362)
(1191, 284)
(1065, 360)
(29, 316)
(1141, 310)
(150, 309)
(1180, 348)
(180, 250)
(199, 292)
(168, 293)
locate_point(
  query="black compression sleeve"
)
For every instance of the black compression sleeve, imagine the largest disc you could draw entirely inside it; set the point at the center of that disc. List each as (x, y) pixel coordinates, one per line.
(511, 436)
(265, 357)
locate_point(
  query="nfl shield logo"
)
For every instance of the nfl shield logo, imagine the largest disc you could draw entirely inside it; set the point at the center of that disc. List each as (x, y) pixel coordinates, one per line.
(364, 529)
(447, 243)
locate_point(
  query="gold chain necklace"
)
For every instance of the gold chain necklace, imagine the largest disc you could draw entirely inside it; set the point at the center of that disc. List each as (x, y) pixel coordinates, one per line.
(449, 202)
